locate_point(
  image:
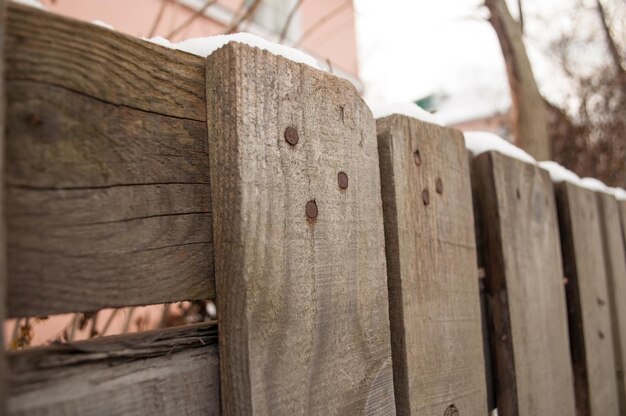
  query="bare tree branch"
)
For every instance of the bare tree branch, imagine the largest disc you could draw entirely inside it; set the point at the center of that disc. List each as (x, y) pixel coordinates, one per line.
(192, 18)
(248, 14)
(156, 22)
(328, 16)
(292, 13)
(520, 11)
(612, 45)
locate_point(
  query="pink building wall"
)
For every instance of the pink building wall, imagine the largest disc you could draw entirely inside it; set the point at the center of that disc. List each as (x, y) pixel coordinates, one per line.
(333, 40)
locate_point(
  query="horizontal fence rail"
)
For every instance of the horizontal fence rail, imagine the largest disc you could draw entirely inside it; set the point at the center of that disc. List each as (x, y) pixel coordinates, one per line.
(343, 252)
(108, 196)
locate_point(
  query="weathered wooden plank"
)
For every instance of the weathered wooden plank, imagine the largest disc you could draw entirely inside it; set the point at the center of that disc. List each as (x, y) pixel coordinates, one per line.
(104, 201)
(103, 64)
(3, 254)
(302, 299)
(166, 372)
(434, 301)
(524, 277)
(591, 339)
(622, 214)
(615, 261)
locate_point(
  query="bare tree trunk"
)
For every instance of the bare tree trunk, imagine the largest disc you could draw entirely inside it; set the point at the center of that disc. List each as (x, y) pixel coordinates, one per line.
(529, 118)
(611, 44)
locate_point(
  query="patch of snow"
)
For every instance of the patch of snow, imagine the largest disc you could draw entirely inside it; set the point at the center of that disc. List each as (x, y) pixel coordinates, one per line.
(206, 46)
(559, 173)
(407, 109)
(102, 24)
(32, 3)
(620, 193)
(479, 142)
(594, 185)
(160, 41)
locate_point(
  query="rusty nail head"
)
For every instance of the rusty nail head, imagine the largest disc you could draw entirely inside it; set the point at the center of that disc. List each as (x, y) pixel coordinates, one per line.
(451, 411)
(291, 136)
(601, 334)
(311, 209)
(342, 178)
(439, 185)
(426, 197)
(417, 157)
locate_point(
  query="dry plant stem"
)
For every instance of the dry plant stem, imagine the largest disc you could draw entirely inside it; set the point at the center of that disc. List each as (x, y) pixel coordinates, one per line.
(248, 14)
(94, 322)
(191, 19)
(158, 18)
(292, 13)
(611, 44)
(129, 317)
(321, 23)
(72, 333)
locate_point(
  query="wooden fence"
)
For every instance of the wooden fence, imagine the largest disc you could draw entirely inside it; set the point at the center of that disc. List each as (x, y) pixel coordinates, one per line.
(345, 253)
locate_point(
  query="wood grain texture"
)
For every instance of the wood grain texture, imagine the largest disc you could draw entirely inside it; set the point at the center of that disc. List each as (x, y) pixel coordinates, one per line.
(524, 278)
(622, 214)
(434, 298)
(615, 261)
(591, 340)
(304, 325)
(107, 206)
(3, 251)
(165, 372)
(103, 64)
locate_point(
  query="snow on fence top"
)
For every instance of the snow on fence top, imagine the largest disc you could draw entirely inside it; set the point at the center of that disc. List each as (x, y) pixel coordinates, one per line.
(407, 109)
(32, 3)
(206, 46)
(481, 142)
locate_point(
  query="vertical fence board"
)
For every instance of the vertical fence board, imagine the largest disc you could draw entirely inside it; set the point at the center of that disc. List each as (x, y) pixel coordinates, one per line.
(615, 261)
(525, 285)
(302, 299)
(591, 338)
(431, 261)
(3, 259)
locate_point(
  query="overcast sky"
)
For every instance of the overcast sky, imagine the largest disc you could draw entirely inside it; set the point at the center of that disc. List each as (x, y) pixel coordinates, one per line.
(411, 48)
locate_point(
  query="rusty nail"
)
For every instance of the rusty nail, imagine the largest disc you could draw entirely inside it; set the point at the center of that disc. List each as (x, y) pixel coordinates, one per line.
(426, 197)
(518, 194)
(342, 178)
(451, 411)
(439, 186)
(417, 157)
(311, 209)
(601, 334)
(291, 136)
(33, 118)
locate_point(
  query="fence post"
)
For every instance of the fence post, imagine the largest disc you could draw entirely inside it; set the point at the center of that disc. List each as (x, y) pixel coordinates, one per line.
(434, 299)
(524, 278)
(299, 243)
(591, 339)
(3, 258)
(615, 261)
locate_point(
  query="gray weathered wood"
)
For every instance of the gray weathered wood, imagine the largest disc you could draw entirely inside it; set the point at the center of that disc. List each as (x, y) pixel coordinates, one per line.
(103, 64)
(3, 255)
(304, 324)
(622, 215)
(434, 302)
(591, 337)
(615, 261)
(107, 205)
(521, 253)
(166, 372)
